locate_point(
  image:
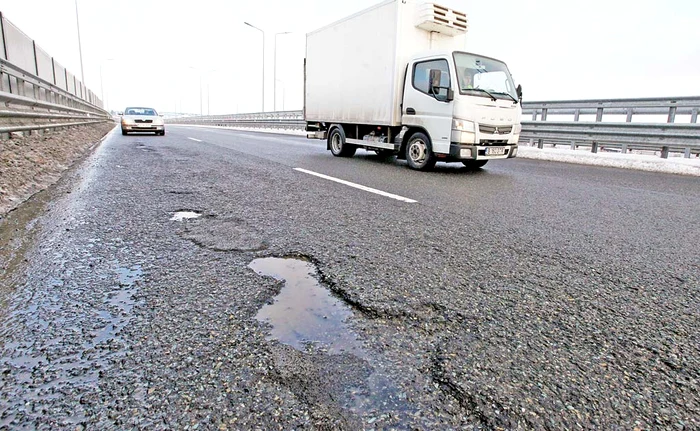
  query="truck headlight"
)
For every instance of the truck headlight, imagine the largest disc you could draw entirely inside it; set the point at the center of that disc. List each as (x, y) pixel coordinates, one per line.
(462, 125)
(517, 129)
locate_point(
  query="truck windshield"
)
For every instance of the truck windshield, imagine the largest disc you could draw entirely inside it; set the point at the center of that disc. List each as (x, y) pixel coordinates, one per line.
(483, 76)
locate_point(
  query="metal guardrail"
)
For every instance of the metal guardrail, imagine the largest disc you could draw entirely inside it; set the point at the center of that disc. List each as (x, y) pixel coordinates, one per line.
(34, 87)
(286, 120)
(622, 136)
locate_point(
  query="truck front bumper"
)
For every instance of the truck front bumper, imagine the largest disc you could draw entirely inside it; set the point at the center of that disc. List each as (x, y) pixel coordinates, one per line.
(482, 152)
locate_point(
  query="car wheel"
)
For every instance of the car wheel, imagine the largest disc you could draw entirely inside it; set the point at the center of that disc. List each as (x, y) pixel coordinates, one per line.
(339, 147)
(419, 152)
(124, 132)
(474, 164)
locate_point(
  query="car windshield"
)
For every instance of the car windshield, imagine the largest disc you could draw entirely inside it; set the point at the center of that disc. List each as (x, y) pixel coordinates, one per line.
(483, 76)
(140, 111)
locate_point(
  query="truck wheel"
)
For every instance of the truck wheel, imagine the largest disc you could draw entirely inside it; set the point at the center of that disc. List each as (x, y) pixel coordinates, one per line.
(339, 147)
(474, 164)
(419, 152)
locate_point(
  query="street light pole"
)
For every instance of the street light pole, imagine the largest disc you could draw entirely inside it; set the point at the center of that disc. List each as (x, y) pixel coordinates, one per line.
(80, 48)
(263, 63)
(283, 92)
(274, 89)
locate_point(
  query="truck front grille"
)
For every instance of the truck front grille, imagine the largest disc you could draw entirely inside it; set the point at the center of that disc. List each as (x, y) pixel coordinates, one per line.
(495, 130)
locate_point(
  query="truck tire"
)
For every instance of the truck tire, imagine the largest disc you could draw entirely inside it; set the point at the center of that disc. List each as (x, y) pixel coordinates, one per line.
(474, 164)
(419, 152)
(337, 144)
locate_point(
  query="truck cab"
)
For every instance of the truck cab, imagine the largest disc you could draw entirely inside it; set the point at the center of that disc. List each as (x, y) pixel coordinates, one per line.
(465, 104)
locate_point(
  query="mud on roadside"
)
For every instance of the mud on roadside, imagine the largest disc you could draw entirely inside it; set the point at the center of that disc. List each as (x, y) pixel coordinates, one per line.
(30, 163)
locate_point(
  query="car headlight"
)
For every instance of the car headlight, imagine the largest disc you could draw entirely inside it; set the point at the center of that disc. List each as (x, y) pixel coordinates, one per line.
(158, 122)
(462, 125)
(127, 121)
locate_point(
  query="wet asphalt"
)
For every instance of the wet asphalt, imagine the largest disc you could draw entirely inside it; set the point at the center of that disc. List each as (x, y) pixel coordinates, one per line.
(525, 295)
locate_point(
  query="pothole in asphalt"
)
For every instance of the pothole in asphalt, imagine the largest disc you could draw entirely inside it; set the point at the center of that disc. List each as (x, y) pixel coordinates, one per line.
(226, 234)
(185, 215)
(304, 312)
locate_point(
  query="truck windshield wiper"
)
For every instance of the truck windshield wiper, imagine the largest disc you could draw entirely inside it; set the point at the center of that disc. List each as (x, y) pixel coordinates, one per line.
(485, 91)
(507, 94)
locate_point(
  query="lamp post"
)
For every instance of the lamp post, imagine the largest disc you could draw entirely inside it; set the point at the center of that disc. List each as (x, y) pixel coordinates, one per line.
(263, 62)
(274, 90)
(80, 48)
(284, 90)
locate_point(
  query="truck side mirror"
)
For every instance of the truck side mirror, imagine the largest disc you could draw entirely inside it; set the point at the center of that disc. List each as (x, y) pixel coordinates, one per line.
(434, 81)
(519, 90)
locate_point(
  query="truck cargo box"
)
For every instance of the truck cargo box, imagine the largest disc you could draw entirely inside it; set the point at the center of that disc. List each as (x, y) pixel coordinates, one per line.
(355, 67)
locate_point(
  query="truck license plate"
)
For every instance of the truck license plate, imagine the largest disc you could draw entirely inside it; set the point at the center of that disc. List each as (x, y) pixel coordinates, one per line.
(495, 151)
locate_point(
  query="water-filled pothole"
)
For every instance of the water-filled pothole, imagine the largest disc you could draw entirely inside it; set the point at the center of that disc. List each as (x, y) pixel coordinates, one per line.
(306, 315)
(304, 312)
(184, 215)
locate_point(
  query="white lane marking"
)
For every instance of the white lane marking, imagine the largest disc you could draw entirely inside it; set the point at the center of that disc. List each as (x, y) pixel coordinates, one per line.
(196, 140)
(357, 186)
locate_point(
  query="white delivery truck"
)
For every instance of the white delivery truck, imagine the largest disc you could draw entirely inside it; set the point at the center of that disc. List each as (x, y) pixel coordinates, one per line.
(395, 79)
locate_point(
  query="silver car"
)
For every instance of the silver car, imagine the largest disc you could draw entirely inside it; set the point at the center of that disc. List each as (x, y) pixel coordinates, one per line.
(140, 119)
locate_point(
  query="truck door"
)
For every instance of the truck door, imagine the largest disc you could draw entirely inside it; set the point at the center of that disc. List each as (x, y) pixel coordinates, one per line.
(428, 108)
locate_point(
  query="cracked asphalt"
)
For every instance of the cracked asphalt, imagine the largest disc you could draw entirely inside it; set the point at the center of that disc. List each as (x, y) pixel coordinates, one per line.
(526, 295)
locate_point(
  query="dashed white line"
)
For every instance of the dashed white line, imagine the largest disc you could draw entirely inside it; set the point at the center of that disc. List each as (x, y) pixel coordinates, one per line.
(358, 186)
(196, 140)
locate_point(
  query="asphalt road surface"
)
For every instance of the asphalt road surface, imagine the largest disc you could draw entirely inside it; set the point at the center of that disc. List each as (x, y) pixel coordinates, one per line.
(525, 295)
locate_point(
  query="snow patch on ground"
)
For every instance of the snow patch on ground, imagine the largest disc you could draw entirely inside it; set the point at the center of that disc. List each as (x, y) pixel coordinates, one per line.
(642, 162)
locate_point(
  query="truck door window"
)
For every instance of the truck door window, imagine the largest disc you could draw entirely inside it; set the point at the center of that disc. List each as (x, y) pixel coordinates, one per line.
(421, 77)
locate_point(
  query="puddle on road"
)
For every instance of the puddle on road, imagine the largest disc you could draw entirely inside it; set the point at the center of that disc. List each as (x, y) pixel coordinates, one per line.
(304, 312)
(184, 215)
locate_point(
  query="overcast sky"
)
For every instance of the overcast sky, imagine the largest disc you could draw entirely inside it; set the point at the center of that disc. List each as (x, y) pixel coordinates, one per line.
(152, 52)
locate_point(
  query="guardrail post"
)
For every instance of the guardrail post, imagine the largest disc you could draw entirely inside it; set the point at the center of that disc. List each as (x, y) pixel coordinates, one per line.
(594, 147)
(664, 152)
(624, 149)
(544, 114)
(630, 111)
(577, 114)
(599, 115)
(671, 114)
(694, 116)
(540, 143)
(573, 145)
(687, 153)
